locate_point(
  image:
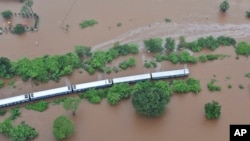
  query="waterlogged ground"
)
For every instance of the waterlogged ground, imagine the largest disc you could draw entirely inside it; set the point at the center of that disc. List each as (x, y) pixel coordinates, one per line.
(184, 118)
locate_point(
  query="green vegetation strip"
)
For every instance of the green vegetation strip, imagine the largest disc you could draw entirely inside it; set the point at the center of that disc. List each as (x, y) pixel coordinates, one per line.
(38, 106)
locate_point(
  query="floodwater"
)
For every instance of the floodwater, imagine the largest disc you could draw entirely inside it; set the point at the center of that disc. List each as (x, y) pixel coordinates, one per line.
(184, 118)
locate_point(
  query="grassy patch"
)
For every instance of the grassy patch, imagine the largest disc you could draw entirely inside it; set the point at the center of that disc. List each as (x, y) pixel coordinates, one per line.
(38, 106)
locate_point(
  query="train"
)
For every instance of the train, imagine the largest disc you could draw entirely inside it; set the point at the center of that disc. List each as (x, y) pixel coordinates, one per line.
(85, 86)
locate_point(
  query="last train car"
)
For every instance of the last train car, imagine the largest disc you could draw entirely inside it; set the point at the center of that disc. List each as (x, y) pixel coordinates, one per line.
(51, 93)
(14, 100)
(89, 85)
(170, 74)
(131, 79)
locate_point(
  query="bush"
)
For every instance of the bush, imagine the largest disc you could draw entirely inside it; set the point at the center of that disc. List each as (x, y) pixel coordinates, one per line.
(119, 24)
(224, 6)
(242, 48)
(212, 110)
(115, 69)
(226, 41)
(241, 86)
(170, 44)
(14, 113)
(22, 132)
(167, 20)
(150, 102)
(185, 57)
(118, 92)
(107, 70)
(212, 87)
(229, 86)
(190, 85)
(63, 127)
(203, 58)
(247, 75)
(88, 23)
(38, 106)
(128, 63)
(153, 44)
(19, 29)
(93, 96)
(7, 14)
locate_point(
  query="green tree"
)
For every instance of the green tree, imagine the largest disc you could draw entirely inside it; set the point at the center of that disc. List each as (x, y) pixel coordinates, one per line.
(7, 14)
(63, 127)
(170, 44)
(153, 44)
(83, 51)
(224, 6)
(6, 69)
(19, 29)
(150, 102)
(27, 6)
(118, 92)
(72, 104)
(212, 110)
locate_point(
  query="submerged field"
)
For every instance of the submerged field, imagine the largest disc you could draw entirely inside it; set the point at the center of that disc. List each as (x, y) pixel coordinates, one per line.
(140, 20)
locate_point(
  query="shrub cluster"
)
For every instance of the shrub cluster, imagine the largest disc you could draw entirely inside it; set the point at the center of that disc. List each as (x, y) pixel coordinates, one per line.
(100, 58)
(212, 110)
(207, 42)
(127, 63)
(3, 112)
(212, 87)
(242, 48)
(38, 106)
(150, 64)
(93, 95)
(14, 113)
(21, 132)
(186, 86)
(7, 14)
(63, 127)
(118, 92)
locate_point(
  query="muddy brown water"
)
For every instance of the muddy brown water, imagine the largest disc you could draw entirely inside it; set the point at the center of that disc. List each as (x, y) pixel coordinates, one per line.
(184, 118)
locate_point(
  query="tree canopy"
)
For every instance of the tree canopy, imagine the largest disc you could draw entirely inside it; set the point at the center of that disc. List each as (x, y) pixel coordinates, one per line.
(224, 6)
(153, 44)
(150, 102)
(63, 127)
(7, 14)
(212, 110)
(72, 103)
(19, 29)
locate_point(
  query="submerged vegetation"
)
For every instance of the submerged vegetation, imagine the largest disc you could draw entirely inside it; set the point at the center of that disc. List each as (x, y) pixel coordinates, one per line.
(242, 48)
(21, 132)
(224, 6)
(7, 14)
(212, 87)
(38, 106)
(212, 110)
(63, 127)
(87, 23)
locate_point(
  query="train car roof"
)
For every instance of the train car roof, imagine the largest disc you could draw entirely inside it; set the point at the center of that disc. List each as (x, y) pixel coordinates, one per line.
(13, 99)
(51, 91)
(132, 78)
(93, 84)
(169, 73)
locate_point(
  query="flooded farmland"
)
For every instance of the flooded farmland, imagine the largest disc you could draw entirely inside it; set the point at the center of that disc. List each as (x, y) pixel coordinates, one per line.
(184, 118)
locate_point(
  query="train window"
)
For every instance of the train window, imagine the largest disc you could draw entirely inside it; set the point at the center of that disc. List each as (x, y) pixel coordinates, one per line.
(68, 87)
(26, 96)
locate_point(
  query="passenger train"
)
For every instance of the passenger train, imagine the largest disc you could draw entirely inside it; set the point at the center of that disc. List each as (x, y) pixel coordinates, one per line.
(96, 84)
